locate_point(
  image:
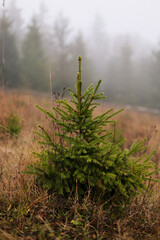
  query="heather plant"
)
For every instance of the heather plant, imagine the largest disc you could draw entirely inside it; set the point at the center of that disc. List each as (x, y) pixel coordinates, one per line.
(81, 155)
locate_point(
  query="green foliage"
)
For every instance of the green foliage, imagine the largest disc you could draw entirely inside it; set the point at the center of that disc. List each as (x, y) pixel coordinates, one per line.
(13, 125)
(82, 155)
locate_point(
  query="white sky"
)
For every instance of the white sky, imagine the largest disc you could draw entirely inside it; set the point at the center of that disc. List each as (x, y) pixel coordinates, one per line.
(136, 17)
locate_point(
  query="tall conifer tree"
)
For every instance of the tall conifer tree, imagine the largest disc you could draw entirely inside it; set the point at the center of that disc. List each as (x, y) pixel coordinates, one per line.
(34, 64)
(11, 57)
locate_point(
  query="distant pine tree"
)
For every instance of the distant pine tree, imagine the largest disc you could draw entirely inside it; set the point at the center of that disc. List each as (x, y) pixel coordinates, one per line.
(61, 53)
(11, 56)
(34, 66)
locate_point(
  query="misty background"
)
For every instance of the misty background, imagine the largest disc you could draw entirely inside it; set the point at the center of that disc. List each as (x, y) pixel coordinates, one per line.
(124, 54)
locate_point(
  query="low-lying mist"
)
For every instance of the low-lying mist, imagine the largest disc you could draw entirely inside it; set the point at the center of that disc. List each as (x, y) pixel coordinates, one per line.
(35, 54)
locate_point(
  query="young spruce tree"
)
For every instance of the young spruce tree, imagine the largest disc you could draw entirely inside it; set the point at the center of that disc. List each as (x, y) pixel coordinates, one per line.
(83, 156)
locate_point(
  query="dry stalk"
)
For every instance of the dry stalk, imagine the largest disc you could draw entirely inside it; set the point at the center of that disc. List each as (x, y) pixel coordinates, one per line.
(3, 70)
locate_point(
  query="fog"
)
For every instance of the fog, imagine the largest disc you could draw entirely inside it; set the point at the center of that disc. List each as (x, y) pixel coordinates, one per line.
(136, 17)
(117, 39)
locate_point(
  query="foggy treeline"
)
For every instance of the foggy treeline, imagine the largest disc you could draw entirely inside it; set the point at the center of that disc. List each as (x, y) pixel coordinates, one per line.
(129, 67)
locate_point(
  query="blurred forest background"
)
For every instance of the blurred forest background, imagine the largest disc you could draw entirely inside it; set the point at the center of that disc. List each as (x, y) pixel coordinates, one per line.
(129, 67)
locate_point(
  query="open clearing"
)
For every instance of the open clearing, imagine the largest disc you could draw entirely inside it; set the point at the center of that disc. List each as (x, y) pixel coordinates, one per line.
(16, 153)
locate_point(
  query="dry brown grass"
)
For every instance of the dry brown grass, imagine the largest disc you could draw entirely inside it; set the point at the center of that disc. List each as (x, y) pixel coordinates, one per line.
(16, 153)
(16, 187)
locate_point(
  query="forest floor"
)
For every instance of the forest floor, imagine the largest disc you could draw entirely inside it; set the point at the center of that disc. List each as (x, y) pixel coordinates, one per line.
(27, 212)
